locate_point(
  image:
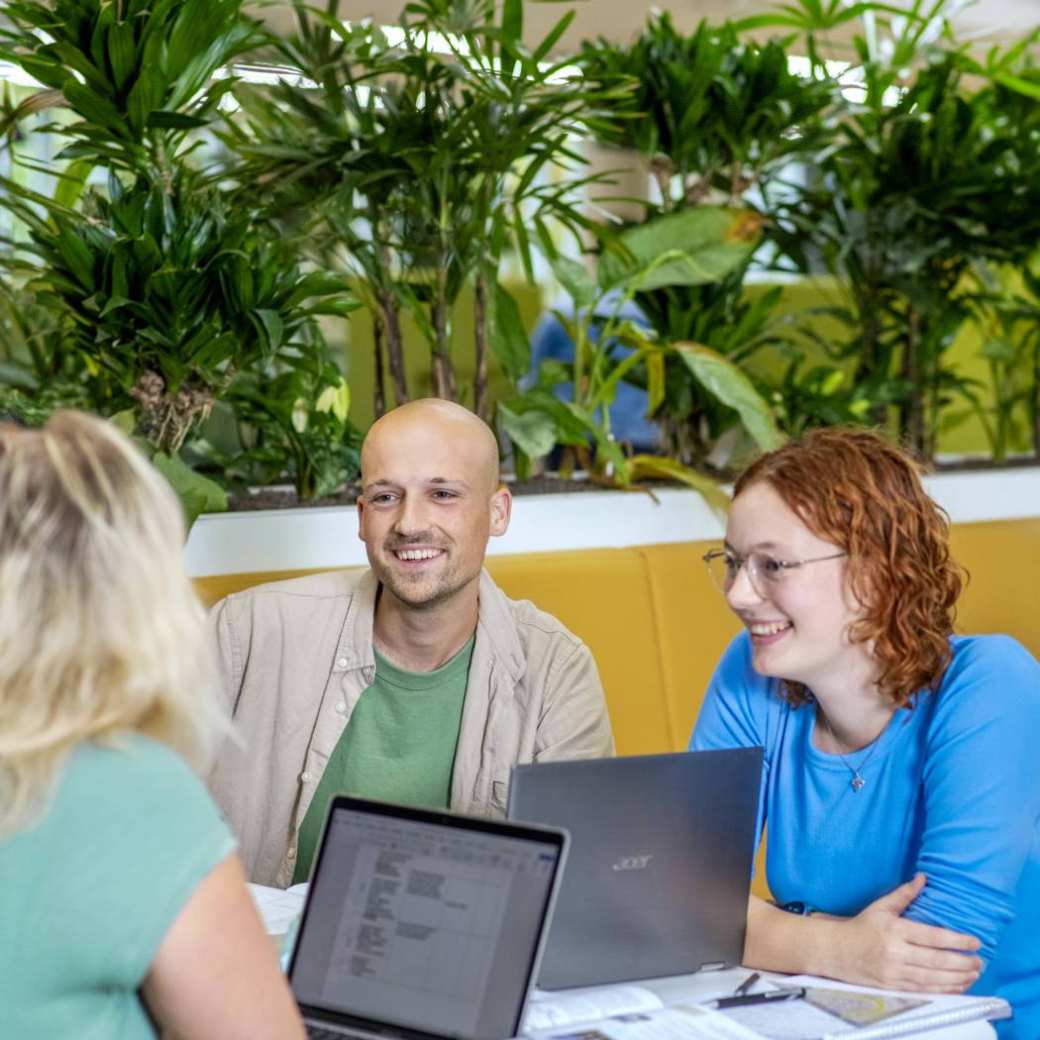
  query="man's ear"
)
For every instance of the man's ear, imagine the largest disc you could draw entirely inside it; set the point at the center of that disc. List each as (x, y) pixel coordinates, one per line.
(501, 510)
(360, 517)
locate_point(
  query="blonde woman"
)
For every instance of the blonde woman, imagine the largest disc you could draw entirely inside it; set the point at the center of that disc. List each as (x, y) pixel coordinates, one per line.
(123, 907)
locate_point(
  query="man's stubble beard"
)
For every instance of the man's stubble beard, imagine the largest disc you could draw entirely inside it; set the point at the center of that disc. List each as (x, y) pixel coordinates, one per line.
(441, 590)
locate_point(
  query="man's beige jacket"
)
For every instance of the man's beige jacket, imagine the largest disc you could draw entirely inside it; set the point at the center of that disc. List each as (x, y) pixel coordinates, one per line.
(295, 657)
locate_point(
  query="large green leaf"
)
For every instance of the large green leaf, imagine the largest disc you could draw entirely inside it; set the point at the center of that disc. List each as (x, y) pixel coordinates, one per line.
(642, 466)
(732, 387)
(575, 280)
(93, 107)
(509, 339)
(198, 494)
(122, 52)
(72, 181)
(533, 432)
(694, 247)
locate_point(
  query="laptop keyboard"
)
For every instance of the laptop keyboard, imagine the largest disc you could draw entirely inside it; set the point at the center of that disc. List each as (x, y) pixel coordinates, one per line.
(322, 1033)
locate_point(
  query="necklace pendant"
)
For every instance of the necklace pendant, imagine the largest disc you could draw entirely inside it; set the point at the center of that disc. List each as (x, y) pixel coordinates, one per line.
(857, 783)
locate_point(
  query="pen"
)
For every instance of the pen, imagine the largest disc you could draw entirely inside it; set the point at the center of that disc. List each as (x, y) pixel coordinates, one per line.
(746, 985)
(748, 999)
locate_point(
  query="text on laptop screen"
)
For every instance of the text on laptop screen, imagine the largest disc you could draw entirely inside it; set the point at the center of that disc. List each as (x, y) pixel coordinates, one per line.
(423, 925)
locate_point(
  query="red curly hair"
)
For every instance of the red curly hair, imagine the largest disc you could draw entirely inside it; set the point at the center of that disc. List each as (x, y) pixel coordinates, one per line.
(855, 489)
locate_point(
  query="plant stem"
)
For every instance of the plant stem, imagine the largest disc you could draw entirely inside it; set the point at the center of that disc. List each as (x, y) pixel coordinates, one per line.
(394, 345)
(480, 331)
(379, 386)
(443, 370)
(391, 324)
(912, 418)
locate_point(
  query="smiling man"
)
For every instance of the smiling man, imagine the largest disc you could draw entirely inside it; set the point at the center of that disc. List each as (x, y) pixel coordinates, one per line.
(417, 681)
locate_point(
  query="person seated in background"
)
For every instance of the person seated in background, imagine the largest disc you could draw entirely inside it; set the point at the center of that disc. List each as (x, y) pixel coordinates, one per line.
(417, 681)
(900, 785)
(123, 906)
(551, 342)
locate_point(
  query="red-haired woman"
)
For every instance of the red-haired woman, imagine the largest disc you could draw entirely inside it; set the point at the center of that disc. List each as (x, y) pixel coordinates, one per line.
(901, 787)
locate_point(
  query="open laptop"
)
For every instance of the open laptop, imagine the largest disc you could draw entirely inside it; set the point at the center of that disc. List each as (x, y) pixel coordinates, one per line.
(662, 848)
(422, 925)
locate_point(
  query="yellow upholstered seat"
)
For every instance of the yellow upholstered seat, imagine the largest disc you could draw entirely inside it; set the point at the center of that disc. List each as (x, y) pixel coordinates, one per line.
(656, 625)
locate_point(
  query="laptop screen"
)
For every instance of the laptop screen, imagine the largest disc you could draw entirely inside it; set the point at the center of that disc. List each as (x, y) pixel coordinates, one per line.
(423, 920)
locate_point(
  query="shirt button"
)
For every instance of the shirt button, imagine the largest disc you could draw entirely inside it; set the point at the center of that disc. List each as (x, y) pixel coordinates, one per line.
(292, 852)
(305, 777)
(341, 708)
(341, 662)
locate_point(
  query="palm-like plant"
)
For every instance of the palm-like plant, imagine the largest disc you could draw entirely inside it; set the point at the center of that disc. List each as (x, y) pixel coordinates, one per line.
(719, 118)
(904, 207)
(421, 166)
(138, 74)
(714, 113)
(167, 287)
(171, 291)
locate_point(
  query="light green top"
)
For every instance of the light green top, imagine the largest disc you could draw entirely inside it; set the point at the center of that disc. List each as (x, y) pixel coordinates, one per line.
(399, 745)
(90, 889)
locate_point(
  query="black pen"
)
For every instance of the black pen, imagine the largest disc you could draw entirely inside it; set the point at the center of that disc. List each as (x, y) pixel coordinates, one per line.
(746, 985)
(757, 998)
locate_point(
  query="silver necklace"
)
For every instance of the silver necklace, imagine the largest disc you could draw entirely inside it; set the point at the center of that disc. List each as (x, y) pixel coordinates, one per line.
(858, 782)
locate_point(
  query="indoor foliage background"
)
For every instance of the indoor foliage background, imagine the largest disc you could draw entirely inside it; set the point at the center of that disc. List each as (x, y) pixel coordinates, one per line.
(243, 270)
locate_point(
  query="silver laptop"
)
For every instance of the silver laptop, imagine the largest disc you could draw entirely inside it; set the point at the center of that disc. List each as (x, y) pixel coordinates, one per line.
(662, 848)
(423, 925)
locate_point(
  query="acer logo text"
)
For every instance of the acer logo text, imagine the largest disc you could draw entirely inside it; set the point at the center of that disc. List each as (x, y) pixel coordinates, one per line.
(632, 862)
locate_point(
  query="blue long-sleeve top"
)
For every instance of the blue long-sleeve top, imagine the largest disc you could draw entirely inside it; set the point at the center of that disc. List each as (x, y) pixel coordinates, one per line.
(952, 788)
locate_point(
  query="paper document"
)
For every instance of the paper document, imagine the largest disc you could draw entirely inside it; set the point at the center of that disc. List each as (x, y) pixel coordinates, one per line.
(789, 1020)
(548, 1011)
(679, 1022)
(830, 1011)
(278, 907)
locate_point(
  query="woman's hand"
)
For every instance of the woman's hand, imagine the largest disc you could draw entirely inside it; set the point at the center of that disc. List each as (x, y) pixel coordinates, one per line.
(879, 947)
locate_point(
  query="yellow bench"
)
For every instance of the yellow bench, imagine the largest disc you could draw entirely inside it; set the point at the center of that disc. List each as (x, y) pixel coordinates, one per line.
(656, 625)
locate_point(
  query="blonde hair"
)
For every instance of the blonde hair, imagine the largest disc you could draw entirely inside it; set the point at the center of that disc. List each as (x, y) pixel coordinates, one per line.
(100, 630)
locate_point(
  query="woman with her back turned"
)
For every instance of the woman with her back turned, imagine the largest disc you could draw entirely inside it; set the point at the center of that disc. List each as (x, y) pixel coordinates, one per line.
(901, 790)
(123, 907)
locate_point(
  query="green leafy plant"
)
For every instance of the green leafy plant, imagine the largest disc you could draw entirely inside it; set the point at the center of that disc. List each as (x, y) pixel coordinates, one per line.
(138, 74)
(299, 417)
(719, 118)
(927, 177)
(695, 247)
(171, 292)
(166, 286)
(1008, 316)
(415, 166)
(716, 114)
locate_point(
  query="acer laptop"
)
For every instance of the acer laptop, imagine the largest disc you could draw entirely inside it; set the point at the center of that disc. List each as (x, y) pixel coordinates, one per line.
(422, 925)
(662, 848)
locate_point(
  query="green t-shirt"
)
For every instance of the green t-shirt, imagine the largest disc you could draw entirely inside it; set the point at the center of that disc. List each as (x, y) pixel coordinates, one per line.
(89, 891)
(399, 745)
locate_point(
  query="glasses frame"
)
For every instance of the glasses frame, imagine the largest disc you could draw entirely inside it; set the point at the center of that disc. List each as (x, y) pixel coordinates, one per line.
(752, 572)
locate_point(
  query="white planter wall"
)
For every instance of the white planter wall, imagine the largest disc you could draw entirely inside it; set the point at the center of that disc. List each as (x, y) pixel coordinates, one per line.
(291, 539)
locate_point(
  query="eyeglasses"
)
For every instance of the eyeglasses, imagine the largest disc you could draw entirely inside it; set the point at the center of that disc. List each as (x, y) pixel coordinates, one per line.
(765, 572)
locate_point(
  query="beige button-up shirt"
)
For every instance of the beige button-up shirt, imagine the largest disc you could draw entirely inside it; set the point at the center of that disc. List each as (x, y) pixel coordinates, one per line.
(295, 657)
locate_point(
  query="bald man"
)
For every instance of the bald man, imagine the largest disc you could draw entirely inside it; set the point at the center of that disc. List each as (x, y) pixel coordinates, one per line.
(416, 681)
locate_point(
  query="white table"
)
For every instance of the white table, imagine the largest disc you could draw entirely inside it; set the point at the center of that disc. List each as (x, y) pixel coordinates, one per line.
(708, 985)
(278, 909)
